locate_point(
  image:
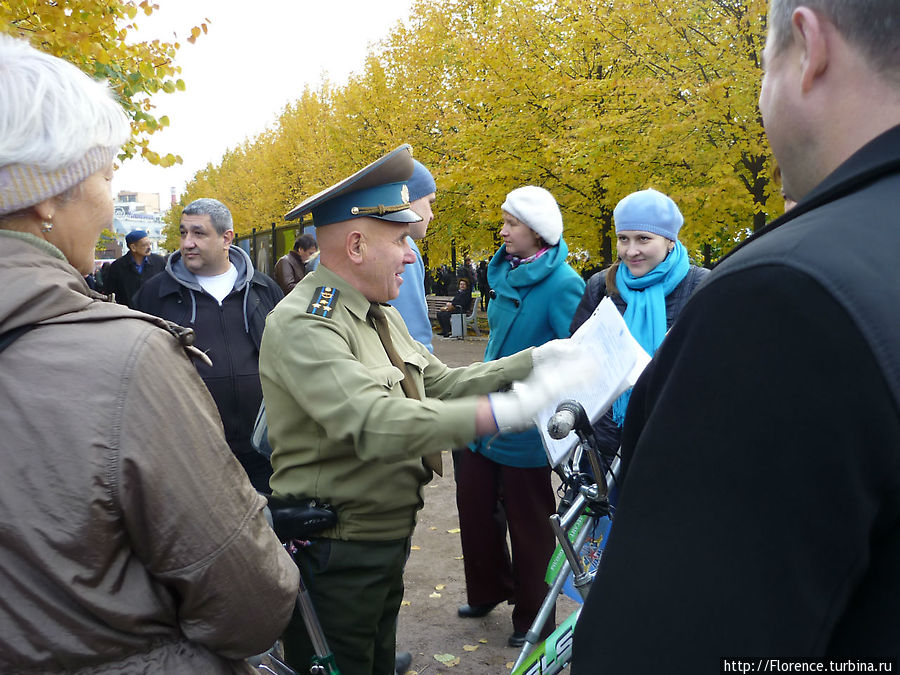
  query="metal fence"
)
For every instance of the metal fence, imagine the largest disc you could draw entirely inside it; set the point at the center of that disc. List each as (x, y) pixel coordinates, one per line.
(266, 246)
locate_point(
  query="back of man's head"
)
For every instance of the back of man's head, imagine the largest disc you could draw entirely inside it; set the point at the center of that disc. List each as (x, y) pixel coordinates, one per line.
(872, 26)
(218, 213)
(305, 242)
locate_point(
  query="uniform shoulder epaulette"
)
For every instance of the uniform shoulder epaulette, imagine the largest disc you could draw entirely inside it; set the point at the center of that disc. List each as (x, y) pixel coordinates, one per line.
(324, 300)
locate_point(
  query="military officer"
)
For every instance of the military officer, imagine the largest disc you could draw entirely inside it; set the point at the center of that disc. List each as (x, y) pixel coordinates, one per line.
(359, 411)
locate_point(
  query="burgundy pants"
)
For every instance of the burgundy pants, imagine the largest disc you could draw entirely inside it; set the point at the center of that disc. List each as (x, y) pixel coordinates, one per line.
(491, 497)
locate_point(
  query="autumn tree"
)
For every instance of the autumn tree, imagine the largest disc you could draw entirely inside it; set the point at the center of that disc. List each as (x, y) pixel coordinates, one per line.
(96, 35)
(591, 99)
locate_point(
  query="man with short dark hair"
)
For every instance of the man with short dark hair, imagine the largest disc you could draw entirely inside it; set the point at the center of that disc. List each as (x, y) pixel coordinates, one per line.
(127, 274)
(211, 286)
(759, 515)
(291, 267)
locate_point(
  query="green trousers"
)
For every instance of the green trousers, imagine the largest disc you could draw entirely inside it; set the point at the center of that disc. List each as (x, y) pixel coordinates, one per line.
(356, 587)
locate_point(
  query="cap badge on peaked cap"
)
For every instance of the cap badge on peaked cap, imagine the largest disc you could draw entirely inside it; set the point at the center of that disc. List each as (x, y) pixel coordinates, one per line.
(378, 190)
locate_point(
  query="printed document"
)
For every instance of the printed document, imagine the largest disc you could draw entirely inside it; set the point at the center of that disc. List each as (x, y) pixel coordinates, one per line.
(620, 361)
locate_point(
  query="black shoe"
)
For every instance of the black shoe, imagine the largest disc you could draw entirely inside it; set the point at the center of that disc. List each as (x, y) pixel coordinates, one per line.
(517, 639)
(402, 662)
(475, 611)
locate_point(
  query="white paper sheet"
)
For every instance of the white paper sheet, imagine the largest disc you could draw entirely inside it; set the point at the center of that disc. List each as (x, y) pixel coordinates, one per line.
(620, 361)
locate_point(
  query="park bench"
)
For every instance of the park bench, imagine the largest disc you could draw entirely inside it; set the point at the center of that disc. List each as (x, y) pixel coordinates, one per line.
(435, 304)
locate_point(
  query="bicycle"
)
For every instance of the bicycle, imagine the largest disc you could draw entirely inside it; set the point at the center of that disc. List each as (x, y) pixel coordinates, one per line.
(585, 500)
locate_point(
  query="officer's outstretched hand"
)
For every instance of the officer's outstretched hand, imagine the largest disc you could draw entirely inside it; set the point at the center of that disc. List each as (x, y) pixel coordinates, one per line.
(555, 351)
(563, 368)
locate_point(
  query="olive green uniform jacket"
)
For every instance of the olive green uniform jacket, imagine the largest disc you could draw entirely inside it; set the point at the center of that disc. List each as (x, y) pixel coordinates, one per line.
(341, 428)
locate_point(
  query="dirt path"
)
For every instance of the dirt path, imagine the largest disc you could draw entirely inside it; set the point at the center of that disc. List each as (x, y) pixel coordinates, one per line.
(435, 583)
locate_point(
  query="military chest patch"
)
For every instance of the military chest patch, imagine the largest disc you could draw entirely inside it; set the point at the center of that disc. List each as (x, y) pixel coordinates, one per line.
(323, 301)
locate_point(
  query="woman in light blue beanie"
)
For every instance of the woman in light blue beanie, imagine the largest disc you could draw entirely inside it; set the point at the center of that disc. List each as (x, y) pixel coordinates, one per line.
(649, 284)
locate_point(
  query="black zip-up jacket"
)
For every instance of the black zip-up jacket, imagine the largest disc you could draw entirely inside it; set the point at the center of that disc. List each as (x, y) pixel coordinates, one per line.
(229, 333)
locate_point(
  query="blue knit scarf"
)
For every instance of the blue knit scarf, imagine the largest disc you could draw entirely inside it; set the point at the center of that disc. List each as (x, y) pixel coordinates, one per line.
(645, 315)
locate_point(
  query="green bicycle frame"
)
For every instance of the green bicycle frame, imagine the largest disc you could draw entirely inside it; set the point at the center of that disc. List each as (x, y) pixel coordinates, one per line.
(554, 653)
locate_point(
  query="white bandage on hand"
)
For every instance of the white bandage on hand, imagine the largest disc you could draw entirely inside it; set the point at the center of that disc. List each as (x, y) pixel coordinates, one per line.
(567, 369)
(553, 352)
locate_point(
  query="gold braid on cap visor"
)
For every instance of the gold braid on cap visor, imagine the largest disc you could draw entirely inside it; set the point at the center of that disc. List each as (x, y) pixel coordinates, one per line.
(379, 210)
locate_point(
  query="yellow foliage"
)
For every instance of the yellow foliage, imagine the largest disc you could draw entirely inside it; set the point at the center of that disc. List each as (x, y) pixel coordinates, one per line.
(94, 35)
(589, 98)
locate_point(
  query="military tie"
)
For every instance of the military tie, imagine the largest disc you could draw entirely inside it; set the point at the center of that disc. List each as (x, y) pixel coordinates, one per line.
(432, 461)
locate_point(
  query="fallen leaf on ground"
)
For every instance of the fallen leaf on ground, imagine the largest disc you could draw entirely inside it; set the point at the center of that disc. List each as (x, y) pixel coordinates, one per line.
(415, 548)
(435, 595)
(432, 528)
(455, 530)
(470, 648)
(483, 641)
(440, 587)
(509, 665)
(447, 659)
(405, 602)
(457, 557)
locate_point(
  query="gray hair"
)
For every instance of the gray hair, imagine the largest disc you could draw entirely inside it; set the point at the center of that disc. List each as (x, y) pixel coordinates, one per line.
(218, 213)
(872, 26)
(53, 114)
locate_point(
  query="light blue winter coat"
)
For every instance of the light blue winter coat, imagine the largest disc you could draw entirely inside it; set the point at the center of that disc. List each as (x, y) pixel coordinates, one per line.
(534, 303)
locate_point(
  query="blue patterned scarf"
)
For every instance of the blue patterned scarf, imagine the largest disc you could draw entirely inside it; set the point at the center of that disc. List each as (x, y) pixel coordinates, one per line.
(645, 315)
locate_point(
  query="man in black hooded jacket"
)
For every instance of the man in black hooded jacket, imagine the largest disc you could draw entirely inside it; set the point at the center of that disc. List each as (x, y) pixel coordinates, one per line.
(211, 286)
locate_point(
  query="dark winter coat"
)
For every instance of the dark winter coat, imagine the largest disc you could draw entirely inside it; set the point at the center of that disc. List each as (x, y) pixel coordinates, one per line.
(123, 279)
(229, 333)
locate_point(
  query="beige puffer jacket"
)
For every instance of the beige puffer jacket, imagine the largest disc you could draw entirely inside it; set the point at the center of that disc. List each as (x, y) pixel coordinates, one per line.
(130, 538)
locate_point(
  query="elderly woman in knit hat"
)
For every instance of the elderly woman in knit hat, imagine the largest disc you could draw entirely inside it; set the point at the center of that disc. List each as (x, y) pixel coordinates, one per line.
(649, 284)
(132, 541)
(535, 293)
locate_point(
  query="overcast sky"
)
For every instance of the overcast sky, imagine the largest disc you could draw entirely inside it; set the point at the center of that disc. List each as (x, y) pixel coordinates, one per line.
(257, 56)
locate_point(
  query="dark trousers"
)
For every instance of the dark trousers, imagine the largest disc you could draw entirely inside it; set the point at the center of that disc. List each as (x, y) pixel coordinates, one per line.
(356, 588)
(528, 502)
(444, 320)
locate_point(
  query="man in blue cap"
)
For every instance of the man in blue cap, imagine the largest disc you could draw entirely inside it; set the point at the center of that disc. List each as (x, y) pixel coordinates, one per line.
(127, 274)
(411, 300)
(359, 411)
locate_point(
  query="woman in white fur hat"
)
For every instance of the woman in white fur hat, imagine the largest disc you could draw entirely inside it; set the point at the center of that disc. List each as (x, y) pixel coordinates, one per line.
(535, 293)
